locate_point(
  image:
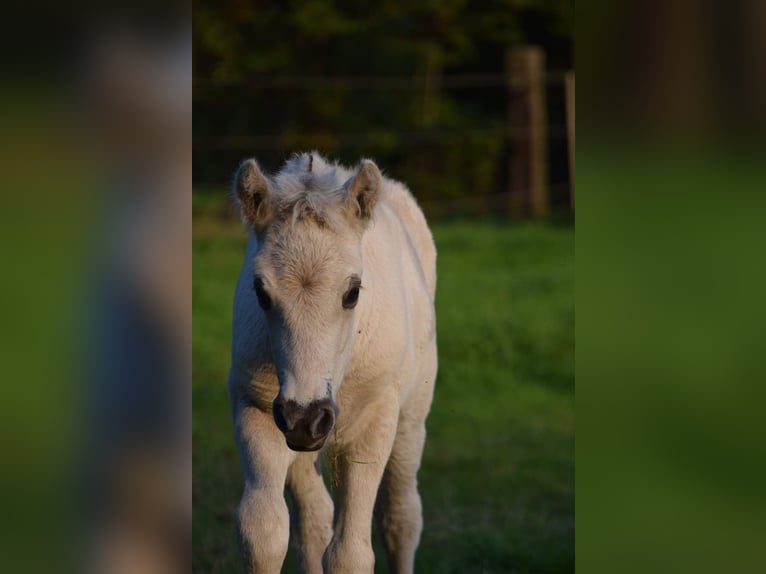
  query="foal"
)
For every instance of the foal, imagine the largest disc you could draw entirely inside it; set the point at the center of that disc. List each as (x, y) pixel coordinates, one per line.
(334, 346)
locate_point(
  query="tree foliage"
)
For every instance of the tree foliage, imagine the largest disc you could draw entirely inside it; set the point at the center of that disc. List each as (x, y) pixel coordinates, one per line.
(353, 78)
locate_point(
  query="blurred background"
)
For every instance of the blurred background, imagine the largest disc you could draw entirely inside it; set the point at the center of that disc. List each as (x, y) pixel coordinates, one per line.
(472, 106)
(95, 228)
(671, 448)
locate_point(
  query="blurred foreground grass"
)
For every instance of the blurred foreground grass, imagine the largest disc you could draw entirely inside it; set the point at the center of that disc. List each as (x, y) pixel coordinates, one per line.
(497, 478)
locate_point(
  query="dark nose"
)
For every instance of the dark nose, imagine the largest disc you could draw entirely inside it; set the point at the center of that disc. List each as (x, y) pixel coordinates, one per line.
(305, 426)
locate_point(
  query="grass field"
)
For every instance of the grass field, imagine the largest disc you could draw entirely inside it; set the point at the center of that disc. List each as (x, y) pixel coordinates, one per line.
(497, 478)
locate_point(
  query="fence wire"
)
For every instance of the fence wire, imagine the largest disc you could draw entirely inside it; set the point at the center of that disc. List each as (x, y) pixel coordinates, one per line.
(207, 88)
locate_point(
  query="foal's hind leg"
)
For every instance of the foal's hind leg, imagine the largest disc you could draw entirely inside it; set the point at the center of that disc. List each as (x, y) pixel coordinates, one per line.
(312, 512)
(398, 510)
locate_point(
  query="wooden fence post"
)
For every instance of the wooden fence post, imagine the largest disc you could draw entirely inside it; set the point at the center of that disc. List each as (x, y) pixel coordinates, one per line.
(528, 131)
(569, 82)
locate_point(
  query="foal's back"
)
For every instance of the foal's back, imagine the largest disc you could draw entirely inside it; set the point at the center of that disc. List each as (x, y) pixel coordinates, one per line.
(414, 225)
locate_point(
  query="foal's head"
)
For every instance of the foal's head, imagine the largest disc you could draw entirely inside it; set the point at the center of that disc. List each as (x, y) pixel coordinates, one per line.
(308, 279)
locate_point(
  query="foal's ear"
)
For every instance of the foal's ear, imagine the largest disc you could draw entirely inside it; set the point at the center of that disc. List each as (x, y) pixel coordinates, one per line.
(364, 189)
(254, 195)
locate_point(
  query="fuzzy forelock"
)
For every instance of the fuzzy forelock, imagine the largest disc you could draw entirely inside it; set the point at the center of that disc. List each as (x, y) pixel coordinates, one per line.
(308, 187)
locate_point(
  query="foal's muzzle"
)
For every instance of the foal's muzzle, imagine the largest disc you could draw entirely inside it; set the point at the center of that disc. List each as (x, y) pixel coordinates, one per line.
(305, 427)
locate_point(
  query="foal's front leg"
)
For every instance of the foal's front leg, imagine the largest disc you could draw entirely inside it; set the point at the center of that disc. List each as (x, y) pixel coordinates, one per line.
(311, 519)
(358, 464)
(263, 524)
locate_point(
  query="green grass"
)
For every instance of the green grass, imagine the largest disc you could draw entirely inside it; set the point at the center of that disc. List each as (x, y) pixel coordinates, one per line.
(497, 478)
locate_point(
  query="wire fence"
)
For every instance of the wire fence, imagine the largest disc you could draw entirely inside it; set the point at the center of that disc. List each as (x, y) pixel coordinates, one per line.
(410, 138)
(413, 82)
(502, 130)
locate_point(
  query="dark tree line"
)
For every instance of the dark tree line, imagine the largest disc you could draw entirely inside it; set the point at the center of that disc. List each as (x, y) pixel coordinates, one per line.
(418, 85)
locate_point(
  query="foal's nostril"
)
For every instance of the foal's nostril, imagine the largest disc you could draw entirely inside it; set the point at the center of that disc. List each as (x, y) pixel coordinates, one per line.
(305, 427)
(322, 423)
(280, 418)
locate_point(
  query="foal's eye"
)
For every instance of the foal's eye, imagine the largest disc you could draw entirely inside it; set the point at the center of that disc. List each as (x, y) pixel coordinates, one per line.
(263, 298)
(351, 297)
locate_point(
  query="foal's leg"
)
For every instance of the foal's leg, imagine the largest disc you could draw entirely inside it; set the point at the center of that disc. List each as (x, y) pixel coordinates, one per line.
(263, 524)
(312, 511)
(398, 510)
(358, 467)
